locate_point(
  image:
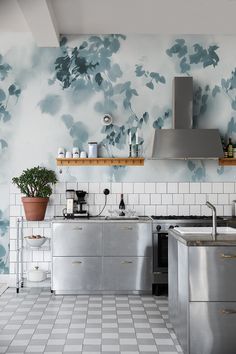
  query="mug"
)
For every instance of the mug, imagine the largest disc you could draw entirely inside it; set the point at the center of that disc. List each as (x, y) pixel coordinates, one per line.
(75, 153)
(83, 154)
(61, 153)
(68, 155)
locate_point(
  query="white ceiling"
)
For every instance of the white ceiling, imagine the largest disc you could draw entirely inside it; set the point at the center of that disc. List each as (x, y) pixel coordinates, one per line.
(48, 18)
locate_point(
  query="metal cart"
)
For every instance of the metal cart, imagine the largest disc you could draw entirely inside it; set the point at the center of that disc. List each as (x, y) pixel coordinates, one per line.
(20, 280)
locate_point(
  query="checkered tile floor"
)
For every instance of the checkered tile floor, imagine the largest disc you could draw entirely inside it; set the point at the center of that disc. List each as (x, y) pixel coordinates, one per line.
(35, 321)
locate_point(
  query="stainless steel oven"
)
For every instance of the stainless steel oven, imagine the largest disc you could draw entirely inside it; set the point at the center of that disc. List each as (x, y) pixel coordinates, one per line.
(161, 226)
(160, 259)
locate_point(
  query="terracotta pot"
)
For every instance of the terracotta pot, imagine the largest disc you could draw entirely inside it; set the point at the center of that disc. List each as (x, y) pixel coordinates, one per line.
(35, 208)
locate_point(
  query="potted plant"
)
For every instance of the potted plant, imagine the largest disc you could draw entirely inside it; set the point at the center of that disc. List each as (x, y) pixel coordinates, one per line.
(36, 184)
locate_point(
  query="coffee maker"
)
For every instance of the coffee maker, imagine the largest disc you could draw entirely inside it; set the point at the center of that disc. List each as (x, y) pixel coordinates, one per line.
(75, 203)
(81, 201)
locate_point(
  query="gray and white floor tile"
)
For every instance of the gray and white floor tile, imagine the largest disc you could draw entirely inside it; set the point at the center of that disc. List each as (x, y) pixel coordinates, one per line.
(36, 321)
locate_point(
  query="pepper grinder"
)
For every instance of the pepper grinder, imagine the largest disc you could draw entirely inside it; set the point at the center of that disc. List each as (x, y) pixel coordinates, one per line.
(130, 144)
(136, 144)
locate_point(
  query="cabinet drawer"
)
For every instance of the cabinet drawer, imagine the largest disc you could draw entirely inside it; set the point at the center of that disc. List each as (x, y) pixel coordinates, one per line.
(212, 273)
(77, 273)
(127, 239)
(77, 239)
(127, 273)
(217, 334)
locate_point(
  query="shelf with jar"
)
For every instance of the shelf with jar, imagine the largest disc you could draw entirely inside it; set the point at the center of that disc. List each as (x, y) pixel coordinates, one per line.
(229, 158)
(227, 161)
(81, 158)
(101, 161)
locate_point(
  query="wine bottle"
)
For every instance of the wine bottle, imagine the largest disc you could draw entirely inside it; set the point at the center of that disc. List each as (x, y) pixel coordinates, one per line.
(122, 206)
(230, 148)
(224, 148)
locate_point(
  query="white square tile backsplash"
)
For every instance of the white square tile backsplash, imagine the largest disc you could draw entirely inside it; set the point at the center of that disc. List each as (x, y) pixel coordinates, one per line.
(150, 187)
(161, 187)
(129, 188)
(206, 187)
(146, 198)
(195, 188)
(138, 187)
(228, 187)
(184, 187)
(173, 195)
(217, 187)
(172, 187)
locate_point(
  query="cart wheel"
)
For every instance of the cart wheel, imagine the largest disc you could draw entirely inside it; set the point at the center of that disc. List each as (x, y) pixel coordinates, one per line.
(22, 285)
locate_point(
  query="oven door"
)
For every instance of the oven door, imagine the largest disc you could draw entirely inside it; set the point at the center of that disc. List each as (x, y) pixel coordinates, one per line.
(160, 257)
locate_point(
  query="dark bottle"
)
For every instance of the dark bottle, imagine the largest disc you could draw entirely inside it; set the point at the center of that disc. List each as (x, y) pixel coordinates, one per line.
(224, 148)
(230, 148)
(122, 205)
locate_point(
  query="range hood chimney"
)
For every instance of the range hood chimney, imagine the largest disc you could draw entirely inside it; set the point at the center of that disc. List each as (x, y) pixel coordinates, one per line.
(183, 142)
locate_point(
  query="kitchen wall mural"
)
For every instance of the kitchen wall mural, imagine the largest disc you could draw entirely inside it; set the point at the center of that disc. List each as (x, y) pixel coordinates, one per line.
(56, 97)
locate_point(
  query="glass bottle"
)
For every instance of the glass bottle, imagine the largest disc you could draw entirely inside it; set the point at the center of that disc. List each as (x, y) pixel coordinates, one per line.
(230, 148)
(122, 205)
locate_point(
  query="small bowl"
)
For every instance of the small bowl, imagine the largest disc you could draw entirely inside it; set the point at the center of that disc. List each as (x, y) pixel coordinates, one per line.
(35, 242)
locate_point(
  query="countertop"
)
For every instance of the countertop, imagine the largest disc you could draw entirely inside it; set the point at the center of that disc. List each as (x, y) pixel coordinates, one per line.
(204, 240)
(141, 219)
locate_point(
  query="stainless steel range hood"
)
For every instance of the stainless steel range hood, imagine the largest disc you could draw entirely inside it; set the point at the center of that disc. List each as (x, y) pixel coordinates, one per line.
(183, 142)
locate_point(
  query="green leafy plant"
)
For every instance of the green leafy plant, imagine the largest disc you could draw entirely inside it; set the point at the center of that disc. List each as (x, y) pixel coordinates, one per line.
(36, 182)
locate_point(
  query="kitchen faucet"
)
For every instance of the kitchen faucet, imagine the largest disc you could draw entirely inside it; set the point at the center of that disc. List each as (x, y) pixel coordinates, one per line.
(214, 232)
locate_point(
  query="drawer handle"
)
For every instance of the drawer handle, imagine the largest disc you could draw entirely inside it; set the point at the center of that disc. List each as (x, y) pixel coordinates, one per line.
(228, 256)
(228, 312)
(76, 262)
(127, 228)
(77, 228)
(126, 262)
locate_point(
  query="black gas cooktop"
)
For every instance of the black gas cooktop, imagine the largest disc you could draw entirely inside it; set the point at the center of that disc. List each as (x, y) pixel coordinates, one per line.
(184, 217)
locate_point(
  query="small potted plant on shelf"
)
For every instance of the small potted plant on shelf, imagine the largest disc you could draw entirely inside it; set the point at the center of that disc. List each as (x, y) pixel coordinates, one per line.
(36, 184)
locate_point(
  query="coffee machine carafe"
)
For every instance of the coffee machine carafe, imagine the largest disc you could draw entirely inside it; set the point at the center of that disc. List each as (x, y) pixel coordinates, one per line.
(81, 212)
(70, 204)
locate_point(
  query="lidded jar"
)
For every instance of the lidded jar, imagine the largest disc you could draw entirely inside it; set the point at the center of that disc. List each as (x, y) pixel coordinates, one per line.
(93, 149)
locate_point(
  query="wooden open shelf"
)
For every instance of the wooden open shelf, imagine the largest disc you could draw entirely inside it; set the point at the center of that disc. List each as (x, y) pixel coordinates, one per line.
(227, 161)
(102, 161)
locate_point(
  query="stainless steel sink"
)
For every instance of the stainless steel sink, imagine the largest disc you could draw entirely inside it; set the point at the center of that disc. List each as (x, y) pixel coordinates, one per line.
(197, 237)
(205, 230)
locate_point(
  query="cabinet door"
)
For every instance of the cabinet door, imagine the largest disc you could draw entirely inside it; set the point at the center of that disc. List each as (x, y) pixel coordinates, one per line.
(77, 274)
(77, 239)
(212, 327)
(127, 273)
(212, 273)
(127, 239)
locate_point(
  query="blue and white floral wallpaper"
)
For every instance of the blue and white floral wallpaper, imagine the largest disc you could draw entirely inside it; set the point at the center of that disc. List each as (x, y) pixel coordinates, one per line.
(56, 97)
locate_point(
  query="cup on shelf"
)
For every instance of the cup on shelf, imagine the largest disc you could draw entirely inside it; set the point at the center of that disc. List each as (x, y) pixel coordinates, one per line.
(75, 153)
(83, 154)
(68, 155)
(61, 153)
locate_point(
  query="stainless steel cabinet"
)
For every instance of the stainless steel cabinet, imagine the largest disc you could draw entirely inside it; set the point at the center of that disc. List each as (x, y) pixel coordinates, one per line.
(77, 239)
(202, 297)
(77, 274)
(127, 239)
(101, 257)
(212, 327)
(127, 274)
(212, 273)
